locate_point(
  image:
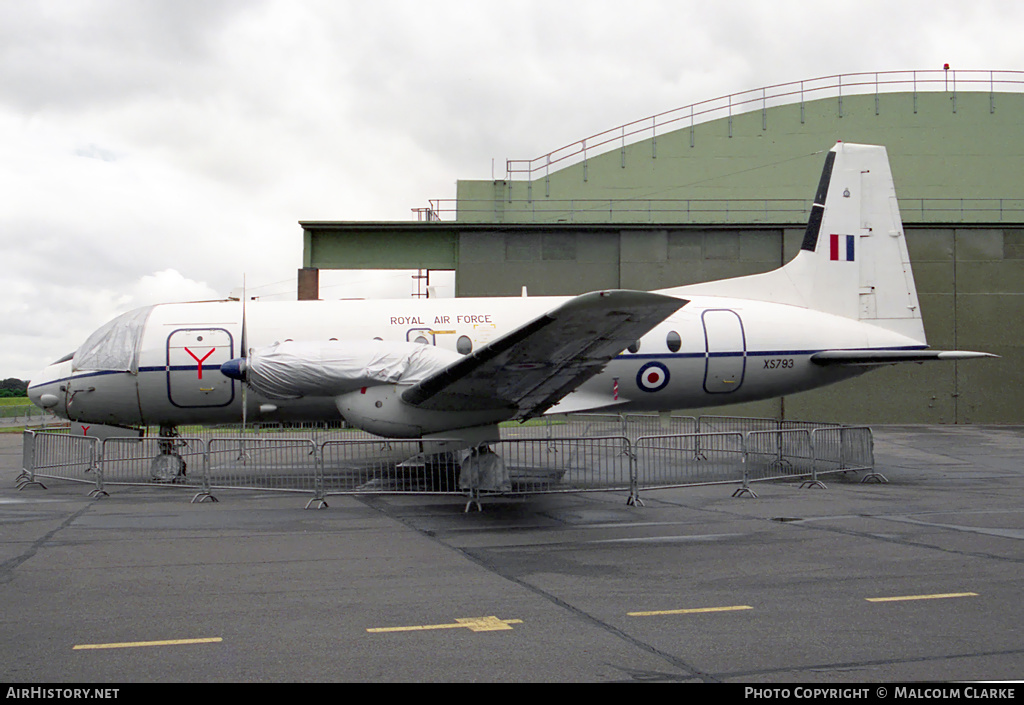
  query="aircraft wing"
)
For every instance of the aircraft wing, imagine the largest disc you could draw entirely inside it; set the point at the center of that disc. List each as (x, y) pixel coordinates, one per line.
(890, 357)
(529, 369)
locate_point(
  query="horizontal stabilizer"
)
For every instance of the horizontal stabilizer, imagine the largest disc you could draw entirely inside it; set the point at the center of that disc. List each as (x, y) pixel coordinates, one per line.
(890, 357)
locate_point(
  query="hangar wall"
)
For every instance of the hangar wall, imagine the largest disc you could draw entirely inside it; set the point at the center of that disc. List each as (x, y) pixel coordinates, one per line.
(755, 167)
(730, 197)
(969, 280)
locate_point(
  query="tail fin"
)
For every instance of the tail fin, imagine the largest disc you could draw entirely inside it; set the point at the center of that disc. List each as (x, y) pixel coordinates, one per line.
(853, 261)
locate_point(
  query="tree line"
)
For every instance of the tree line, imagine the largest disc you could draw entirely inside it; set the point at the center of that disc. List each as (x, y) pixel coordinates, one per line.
(13, 387)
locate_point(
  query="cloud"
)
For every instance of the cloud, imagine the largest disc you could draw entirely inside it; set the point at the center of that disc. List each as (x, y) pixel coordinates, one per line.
(43, 323)
(170, 286)
(148, 148)
(67, 57)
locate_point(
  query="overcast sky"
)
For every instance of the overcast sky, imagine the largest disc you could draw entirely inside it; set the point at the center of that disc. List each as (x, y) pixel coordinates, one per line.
(159, 150)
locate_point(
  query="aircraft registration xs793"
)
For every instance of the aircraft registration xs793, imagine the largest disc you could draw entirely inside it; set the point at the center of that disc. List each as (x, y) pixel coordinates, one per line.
(455, 368)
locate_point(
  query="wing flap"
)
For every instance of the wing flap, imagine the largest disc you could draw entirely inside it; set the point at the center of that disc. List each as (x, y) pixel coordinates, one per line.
(531, 368)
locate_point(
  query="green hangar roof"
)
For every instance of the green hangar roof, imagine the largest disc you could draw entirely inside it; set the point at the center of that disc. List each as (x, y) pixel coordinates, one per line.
(955, 141)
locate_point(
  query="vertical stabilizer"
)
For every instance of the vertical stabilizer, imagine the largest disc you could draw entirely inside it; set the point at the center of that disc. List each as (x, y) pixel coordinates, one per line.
(853, 261)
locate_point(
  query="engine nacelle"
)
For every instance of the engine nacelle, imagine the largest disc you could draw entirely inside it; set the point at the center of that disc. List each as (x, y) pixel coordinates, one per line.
(296, 369)
(381, 411)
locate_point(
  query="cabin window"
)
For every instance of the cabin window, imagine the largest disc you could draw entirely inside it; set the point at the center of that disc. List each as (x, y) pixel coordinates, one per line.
(635, 347)
(673, 341)
(464, 345)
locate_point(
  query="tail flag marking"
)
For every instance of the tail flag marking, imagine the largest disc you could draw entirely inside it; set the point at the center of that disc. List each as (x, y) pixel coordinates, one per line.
(841, 248)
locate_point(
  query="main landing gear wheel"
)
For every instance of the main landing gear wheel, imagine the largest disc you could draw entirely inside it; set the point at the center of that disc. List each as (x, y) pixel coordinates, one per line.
(167, 467)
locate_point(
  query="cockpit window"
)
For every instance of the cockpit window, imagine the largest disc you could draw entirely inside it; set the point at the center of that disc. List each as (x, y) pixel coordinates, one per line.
(115, 346)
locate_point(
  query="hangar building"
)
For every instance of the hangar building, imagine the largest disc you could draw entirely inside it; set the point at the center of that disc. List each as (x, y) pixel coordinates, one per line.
(723, 188)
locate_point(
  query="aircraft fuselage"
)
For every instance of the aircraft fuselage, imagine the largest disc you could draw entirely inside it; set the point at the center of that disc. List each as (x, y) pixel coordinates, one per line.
(713, 351)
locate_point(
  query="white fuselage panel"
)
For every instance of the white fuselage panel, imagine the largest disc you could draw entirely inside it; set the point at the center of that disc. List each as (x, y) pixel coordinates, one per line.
(713, 351)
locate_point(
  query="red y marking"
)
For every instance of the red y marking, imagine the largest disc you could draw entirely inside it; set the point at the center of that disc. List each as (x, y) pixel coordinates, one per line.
(200, 360)
(85, 430)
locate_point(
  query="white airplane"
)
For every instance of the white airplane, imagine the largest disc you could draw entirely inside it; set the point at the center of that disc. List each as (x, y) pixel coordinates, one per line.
(455, 368)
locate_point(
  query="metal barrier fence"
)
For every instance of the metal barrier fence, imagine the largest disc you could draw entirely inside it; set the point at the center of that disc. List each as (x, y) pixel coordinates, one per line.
(284, 464)
(567, 464)
(17, 414)
(689, 459)
(58, 456)
(144, 461)
(383, 466)
(581, 453)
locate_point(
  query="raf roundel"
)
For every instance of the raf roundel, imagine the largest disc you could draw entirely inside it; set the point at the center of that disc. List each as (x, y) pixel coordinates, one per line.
(652, 377)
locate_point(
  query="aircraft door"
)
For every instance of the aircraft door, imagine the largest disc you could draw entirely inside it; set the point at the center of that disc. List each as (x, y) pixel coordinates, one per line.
(194, 357)
(726, 351)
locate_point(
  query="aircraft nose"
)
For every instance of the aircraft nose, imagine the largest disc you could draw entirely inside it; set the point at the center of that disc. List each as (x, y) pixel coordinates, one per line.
(235, 369)
(43, 390)
(36, 396)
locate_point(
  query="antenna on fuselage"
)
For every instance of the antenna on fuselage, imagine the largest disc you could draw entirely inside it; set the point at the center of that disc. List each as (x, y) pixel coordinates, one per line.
(245, 352)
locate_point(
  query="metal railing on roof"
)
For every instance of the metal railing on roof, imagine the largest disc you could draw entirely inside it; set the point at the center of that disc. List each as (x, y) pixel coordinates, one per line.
(947, 80)
(708, 210)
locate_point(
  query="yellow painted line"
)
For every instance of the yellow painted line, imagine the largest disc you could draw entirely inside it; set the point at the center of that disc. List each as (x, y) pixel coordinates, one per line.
(699, 610)
(939, 596)
(136, 644)
(475, 624)
(441, 332)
